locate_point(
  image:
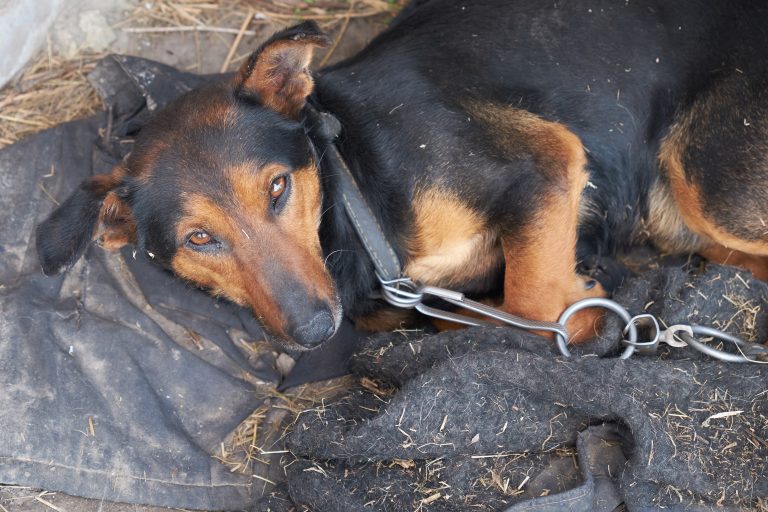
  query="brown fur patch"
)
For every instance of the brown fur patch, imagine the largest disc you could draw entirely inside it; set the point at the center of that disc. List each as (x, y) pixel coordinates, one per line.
(554, 147)
(299, 222)
(280, 76)
(219, 274)
(141, 165)
(228, 274)
(451, 243)
(712, 140)
(541, 279)
(387, 319)
(101, 184)
(665, 226)
(758, 265)
(215, 111)
(116, 227)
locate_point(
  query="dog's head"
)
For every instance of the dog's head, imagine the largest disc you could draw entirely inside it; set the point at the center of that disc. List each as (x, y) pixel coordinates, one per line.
(222, 188)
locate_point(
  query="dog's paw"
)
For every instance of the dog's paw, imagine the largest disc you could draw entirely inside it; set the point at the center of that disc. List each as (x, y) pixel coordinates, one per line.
(606, 271)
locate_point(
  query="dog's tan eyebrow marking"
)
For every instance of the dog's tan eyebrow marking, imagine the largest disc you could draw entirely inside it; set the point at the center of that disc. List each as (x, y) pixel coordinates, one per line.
(249, 184)
(202, 212)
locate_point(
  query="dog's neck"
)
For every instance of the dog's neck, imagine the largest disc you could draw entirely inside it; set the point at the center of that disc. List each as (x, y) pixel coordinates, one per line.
(346, 257)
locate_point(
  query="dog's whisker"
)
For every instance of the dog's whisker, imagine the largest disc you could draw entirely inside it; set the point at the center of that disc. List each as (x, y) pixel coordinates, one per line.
(321, 156)
(327, 210)
(325, 262)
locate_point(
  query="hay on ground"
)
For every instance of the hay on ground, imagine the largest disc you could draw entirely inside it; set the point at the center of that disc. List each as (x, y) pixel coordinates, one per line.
(53, 89)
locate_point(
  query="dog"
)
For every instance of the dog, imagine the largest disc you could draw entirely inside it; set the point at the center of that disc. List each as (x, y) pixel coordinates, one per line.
(490, 140)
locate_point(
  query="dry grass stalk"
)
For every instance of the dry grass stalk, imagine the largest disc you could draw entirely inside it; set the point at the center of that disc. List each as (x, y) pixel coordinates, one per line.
(49, 92)
(238, 38)
(258, 438)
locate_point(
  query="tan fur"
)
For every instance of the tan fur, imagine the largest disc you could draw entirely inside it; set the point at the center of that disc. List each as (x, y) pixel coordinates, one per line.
(386, 320)
(451, 243)
(280, 76)
(541, 280)
(142, 164)
(689, 200)
(116, 226)
(665, 226)
(221, 275)
(758, 265)
(554, 148)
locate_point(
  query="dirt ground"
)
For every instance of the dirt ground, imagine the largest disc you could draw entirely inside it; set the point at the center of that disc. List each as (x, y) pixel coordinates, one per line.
(197, 36)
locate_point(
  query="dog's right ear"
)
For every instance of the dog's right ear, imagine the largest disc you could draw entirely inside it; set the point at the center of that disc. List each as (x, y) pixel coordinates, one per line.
(277, 74)
(96, 210)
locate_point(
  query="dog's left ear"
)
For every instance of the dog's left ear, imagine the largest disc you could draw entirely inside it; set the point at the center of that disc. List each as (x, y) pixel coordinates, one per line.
(277, 74)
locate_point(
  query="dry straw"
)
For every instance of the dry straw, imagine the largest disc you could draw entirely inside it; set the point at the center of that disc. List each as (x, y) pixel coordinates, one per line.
(52, 89)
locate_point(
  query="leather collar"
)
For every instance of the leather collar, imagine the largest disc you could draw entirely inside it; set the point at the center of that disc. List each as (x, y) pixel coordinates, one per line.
(363, 220)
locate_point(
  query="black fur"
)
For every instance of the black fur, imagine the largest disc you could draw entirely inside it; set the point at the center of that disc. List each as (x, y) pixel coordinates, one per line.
(615, 73)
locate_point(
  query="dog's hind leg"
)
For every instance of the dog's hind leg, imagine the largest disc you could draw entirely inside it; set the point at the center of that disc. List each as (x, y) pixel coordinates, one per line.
(715, 162)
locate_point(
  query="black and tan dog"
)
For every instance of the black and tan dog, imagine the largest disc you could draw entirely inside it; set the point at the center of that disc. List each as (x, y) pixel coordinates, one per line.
(487, 136)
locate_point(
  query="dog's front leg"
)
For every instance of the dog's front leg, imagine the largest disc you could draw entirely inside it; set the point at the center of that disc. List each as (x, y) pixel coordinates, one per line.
(540, 278)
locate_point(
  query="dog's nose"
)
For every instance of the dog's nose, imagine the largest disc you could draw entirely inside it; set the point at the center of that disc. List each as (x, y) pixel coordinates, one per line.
(319, 328)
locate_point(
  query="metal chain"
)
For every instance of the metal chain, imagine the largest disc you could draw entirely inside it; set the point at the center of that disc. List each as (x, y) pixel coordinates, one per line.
(404, 293)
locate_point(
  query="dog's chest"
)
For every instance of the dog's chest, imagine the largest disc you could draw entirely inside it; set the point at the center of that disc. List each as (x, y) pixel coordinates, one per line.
(450, 244)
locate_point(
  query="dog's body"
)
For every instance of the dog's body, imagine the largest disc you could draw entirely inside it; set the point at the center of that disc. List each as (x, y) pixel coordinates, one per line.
(486, 136)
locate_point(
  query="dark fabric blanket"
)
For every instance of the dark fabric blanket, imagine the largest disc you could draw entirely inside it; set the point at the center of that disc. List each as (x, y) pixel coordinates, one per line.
(117, 381)
(495, 419)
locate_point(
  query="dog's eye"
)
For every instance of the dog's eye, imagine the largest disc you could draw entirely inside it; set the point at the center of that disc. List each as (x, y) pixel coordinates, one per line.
(278, 187)
(278, 192)
(200, 238)
(202, 241)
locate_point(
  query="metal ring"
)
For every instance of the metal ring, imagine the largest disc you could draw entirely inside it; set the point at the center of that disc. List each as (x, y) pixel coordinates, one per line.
(400, 292)
(400, 298)
(601, 303)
